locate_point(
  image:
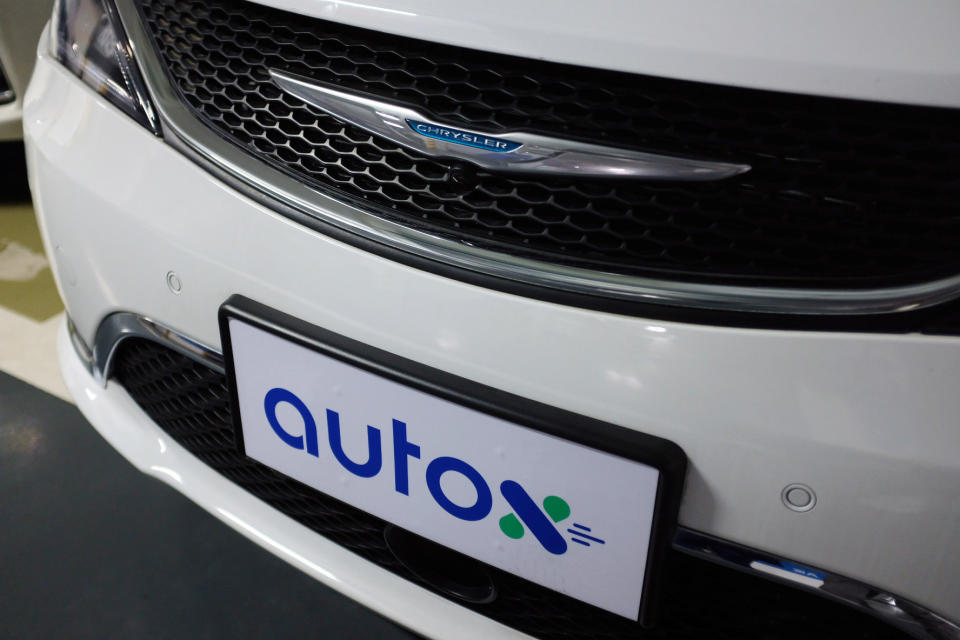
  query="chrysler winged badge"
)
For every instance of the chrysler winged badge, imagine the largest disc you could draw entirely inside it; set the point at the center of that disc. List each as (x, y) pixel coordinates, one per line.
(516, 152)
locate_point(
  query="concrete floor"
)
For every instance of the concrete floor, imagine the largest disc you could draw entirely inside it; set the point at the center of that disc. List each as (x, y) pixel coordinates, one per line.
(91, 548)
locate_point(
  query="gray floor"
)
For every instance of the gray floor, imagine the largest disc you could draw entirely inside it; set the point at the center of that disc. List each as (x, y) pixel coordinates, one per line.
(91, 548)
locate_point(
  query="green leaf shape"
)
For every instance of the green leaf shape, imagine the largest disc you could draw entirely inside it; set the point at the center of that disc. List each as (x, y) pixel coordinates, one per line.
(557, 508)
(511, 526)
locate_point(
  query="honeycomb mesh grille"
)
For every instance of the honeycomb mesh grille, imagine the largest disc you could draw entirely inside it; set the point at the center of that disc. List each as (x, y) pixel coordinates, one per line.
(842, 194)
(700, 600)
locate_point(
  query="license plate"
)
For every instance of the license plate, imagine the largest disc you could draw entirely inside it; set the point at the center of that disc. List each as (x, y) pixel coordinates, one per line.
(578, 506)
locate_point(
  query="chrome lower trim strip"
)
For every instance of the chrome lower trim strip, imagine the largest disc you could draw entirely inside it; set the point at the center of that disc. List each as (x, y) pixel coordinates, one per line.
(118, 327)
(84, 352)
(278, 186)
(911, 618)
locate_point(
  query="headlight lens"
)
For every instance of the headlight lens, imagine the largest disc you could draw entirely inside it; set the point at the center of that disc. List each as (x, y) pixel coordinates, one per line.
(89, 40)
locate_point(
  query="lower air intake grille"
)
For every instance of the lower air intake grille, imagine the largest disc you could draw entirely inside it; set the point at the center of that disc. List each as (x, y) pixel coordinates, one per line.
(699, 600)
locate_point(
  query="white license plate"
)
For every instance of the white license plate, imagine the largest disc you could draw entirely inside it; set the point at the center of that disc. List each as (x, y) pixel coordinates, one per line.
(566, 516)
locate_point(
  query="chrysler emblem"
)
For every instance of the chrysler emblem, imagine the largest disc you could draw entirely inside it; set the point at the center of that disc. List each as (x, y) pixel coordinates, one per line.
(514, 153)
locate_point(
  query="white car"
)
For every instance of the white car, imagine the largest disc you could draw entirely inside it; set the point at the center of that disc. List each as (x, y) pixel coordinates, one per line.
(505, 318)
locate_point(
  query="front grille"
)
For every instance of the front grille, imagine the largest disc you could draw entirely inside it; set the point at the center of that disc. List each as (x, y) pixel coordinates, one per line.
(699, 600)
(842, 194)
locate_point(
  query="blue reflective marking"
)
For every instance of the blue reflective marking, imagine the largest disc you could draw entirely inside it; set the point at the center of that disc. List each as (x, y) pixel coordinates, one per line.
(583, 535)
(586, 544)
(535, 519)
(580, 526)
(467, 139)
(793, 567)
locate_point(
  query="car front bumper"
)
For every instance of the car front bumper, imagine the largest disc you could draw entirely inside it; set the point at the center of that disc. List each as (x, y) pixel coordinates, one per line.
(868, 421)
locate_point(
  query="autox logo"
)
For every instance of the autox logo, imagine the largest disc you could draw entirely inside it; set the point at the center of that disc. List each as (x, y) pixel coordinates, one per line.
(542, 520)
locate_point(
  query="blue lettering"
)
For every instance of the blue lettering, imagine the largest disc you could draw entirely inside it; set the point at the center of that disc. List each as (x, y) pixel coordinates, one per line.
(401, 450)
(374, 461)
(270, 402)
(478, 510)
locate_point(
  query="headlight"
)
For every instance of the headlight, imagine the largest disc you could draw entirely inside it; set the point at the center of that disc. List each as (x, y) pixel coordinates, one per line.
(88, 39)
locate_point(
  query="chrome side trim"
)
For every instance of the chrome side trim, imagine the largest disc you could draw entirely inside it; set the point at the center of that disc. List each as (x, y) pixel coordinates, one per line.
(118, 327)
(84, 352)
(280, 187)
(519, 152)
(911, 618)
